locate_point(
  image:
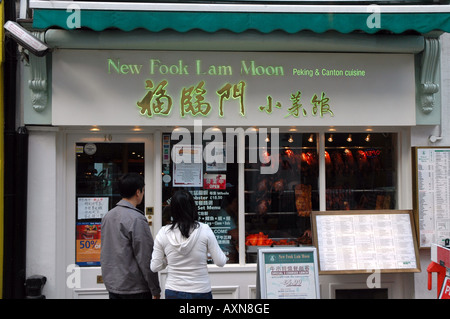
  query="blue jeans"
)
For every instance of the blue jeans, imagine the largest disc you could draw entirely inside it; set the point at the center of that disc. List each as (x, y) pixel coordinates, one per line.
(172, 294)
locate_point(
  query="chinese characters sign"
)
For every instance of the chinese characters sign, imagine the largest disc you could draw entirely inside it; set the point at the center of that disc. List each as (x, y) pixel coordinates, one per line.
(157, 88)
(288, 273)
(192, 101)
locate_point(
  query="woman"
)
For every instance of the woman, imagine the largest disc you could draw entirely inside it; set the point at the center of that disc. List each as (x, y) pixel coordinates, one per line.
(183, 247)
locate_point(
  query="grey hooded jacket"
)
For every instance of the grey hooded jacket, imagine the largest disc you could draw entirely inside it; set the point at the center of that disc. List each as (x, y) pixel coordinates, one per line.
(126, 251)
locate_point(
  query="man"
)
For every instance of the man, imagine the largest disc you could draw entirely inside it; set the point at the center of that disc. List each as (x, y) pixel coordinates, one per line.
(127, 245)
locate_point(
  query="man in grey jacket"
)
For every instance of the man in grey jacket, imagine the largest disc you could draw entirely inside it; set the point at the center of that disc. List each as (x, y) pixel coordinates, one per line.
(127, 246)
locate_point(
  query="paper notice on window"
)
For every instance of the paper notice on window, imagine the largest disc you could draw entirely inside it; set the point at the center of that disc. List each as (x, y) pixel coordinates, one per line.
(92, 207)
(187, 165)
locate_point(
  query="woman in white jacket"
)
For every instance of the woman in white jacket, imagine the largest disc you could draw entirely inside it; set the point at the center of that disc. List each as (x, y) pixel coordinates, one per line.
(183, 247)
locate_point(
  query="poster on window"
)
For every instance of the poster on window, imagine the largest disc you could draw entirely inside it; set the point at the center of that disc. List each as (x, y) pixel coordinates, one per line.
(187, 165)
(288, 273)
(88, 243)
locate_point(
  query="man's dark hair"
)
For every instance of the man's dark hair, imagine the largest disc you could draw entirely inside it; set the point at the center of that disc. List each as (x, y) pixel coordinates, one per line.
(130, 183)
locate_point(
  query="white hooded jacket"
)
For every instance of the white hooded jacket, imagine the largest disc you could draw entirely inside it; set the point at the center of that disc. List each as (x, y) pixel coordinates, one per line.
(186, 258)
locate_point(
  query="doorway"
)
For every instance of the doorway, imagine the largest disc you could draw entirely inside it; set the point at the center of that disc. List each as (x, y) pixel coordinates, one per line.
(95, 164)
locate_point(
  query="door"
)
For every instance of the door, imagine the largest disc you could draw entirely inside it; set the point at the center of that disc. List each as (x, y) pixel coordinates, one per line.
(95, 163)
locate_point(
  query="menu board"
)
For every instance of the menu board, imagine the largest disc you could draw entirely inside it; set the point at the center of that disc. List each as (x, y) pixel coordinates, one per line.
(218, 209)
(364, 241)
(288, 273)
(432, 194)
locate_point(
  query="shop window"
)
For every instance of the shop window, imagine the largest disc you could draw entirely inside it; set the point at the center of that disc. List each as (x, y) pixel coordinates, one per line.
(213, 184)
(98, 168)
(278, 206)
(360, 171)
(360, 174)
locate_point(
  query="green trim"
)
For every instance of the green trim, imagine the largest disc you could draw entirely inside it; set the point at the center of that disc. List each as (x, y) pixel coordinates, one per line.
(240, 21)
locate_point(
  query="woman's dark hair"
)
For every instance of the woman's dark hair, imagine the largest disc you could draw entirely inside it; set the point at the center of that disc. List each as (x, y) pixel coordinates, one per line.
(130, 183)
(184, 212)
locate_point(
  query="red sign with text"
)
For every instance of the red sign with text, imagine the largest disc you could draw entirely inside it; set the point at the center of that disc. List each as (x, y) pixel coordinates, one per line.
(445, 291)
(215, 181)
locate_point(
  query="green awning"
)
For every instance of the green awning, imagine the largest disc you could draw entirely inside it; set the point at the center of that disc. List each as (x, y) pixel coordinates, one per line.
(237, 22)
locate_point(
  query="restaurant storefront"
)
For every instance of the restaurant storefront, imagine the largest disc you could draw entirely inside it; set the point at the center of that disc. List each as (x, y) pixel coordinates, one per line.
(264, 127)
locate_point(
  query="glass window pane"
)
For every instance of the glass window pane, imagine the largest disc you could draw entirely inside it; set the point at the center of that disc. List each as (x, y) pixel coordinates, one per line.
(98, 168)
(216, 193)
(360, 171)
(278, 206)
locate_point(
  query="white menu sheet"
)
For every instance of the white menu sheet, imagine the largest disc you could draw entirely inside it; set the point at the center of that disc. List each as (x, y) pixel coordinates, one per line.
(365, 242)
(433, 191)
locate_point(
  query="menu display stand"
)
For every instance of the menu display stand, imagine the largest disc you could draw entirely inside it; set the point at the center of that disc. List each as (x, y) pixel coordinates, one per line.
(350, 242)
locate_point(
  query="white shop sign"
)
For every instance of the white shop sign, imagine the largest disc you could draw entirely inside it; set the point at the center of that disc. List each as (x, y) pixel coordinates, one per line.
(155, 88)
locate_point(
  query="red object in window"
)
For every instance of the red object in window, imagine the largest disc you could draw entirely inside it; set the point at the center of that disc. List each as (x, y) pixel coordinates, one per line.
(258, 240)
